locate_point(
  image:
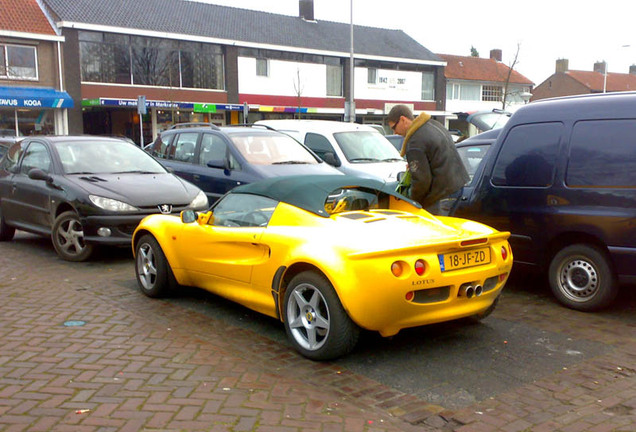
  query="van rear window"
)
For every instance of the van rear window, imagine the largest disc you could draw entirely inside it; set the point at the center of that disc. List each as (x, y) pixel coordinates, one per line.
(602, 154)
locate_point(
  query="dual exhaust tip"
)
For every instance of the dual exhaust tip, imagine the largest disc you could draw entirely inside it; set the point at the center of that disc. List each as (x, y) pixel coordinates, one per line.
(469, 291)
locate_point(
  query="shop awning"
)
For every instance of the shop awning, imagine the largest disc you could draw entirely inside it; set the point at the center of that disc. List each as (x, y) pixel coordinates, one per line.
(34, 97)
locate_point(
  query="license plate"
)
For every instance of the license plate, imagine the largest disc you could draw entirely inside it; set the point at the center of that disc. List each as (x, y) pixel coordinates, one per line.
(459, 260)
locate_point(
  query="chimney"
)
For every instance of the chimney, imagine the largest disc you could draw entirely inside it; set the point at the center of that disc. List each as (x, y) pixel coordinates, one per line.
(495, 54)
(562, 65)
(599, 67)
(306, 10)
(632, 70)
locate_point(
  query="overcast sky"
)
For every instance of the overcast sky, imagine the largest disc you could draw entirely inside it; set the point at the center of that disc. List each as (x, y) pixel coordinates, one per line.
(545, 30)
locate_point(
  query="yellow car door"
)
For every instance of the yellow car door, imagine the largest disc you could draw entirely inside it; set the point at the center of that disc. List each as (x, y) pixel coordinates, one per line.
(221, 253)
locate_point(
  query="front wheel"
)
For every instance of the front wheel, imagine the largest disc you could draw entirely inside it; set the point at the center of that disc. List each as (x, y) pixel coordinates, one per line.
(68, 238)
(581, 278)
(315, 321)
(154, 275)
(6, 232)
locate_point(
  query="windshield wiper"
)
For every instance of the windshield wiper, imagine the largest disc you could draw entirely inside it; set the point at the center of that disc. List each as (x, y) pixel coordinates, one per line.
(364, 160)
(392, 160)
(134, 172)
(290, 163)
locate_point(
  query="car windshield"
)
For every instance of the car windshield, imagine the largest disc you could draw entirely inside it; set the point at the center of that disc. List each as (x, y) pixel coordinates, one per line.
(366, 146)
(472, 156)
(103, 157)
(274, 149)
(352, 199)
(486, 121)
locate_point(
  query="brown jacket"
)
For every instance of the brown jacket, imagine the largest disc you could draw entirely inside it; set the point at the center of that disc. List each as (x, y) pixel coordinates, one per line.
(436, 168)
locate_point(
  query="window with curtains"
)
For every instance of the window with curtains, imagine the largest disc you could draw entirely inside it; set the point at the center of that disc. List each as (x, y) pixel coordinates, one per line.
(18, 62)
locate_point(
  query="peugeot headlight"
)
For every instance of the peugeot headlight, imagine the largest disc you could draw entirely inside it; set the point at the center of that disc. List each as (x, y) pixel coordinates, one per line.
(200, 201)
(111, 204)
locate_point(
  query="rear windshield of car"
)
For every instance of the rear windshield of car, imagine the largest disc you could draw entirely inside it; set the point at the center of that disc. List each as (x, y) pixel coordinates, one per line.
(275, 149)
(366, 146)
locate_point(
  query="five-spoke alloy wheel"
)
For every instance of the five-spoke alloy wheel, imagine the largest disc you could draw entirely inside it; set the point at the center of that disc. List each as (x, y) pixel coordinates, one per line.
(315, 321)
(68, 238)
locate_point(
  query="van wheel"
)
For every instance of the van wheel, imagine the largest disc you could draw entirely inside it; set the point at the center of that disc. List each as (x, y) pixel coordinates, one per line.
(581, 278)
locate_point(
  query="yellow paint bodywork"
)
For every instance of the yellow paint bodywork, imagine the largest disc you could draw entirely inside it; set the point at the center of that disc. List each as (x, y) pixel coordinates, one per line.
(354, 250)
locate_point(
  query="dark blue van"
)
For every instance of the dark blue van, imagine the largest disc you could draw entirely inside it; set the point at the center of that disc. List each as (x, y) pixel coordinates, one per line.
(561, 177)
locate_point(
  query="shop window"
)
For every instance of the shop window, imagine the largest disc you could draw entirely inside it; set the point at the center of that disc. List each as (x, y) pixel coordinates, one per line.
(372, 76)
(428, 86)
(111, 58)
(18, 62)
(262, 67)
(334, 80)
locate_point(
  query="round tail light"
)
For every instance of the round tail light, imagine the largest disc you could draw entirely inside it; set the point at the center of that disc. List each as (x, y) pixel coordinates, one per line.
(420, 267)
(504, 253)
(396, 269)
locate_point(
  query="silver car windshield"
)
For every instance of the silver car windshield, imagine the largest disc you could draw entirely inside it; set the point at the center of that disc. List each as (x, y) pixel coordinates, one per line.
(366, 146)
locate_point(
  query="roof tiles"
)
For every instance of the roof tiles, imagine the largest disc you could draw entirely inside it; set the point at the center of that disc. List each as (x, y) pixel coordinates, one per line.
(24, 16)
(480, 69)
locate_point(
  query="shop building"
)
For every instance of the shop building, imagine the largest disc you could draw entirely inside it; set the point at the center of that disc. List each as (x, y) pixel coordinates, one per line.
(192, 61)
(32, 96)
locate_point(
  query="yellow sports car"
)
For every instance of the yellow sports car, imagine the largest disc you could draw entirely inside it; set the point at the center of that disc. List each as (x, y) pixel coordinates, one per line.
(327, 255)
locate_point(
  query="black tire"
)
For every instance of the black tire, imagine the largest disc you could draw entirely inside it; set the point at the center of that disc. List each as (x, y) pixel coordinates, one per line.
(68, 238)
(154, 275)
(315, 321)
(6, 232)
(581, 278)
(485, 314)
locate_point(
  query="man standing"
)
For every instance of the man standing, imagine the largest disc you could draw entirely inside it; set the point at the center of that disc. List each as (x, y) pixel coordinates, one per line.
(435, 167)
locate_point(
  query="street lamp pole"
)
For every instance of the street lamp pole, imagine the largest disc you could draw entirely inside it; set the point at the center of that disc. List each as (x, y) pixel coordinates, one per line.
(352, 104)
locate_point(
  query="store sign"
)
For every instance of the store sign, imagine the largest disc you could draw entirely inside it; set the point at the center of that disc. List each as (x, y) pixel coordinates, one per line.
(34, 97)
(133, 103)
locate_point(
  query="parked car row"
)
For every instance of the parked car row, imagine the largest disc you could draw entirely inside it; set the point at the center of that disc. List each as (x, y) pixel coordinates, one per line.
(558, 178)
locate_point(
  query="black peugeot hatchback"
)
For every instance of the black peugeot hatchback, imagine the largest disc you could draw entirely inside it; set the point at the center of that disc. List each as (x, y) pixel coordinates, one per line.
(561, 177)
(85, 191)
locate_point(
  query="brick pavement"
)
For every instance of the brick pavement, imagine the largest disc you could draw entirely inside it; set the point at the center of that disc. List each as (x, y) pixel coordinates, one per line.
(144, 365)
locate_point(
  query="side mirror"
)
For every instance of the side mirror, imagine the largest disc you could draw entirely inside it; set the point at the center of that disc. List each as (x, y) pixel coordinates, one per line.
(331, 159)
(189, 216)
(223, 164)
(38, 174)
(400, 175)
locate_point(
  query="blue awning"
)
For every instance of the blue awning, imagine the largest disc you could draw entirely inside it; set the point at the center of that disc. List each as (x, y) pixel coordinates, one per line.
(34, 97)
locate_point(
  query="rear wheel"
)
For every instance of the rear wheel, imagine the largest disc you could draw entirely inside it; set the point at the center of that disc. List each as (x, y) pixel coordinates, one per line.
(315, 321)
(581, 277)
(154, 275)
(6, 232)
(68, 238)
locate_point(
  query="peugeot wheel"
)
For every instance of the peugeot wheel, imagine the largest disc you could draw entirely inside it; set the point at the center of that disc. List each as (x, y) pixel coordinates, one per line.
(315, 321)
(154, 275)
(68, 238)
(581, 278)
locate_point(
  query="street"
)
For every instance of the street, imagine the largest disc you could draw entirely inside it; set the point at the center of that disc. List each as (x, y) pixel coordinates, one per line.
(82, 349)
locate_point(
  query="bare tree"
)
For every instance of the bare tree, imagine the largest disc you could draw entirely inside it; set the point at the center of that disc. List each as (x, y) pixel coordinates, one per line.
(298, 90)
(511, 67)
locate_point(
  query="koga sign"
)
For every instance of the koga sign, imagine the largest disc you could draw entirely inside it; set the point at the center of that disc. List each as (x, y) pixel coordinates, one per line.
(21, 102)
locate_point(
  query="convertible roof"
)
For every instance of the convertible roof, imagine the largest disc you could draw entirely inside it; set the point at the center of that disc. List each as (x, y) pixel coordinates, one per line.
(309, 192)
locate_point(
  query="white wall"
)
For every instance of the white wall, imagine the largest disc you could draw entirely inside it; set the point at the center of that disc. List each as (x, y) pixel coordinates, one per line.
(391, 85)
(282, 77)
